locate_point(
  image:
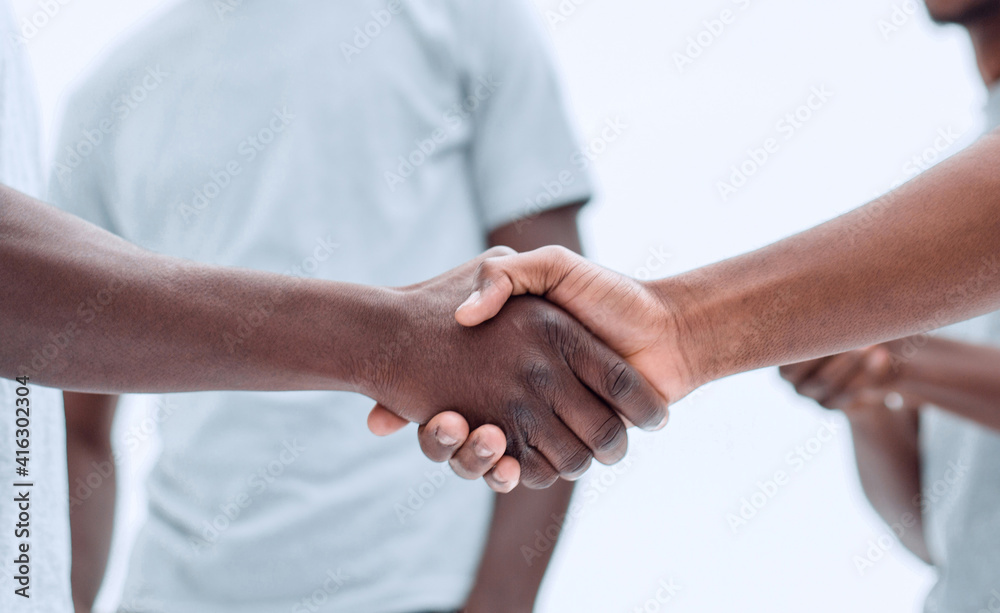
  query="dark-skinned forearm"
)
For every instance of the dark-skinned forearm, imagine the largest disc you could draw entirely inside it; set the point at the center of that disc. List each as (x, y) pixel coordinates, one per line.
(886, 445)
(925, 255)
(513, 566)
(961, 378)
(84, 310)
(89, 419)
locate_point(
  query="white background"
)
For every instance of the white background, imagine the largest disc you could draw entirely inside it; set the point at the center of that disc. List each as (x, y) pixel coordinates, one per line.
(664, 517)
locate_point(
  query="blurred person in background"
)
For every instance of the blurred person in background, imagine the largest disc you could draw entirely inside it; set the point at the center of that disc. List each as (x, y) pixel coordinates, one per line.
(929, 465)
(373, 142)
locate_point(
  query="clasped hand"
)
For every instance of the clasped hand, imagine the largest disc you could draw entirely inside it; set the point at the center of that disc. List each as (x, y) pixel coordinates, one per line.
(543, 394)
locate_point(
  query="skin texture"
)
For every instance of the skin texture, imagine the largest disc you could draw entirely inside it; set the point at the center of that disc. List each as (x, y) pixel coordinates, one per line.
(88, 443)
(168, 325)
(844, 284)
(959, 377)
(504, 583)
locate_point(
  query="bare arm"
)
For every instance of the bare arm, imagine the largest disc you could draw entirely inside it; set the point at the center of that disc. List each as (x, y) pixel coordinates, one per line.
(886, 446)
(92, 509)
(923, 256)
(961, 378)
(85, 311)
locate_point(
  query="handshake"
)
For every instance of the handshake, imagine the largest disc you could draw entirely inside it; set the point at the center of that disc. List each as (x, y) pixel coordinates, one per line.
(564, 376)
(546, 384)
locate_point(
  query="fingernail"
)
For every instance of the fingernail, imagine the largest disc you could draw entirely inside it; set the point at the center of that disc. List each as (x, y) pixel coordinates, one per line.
(444, 439)
(473, 299)
(662, 424)
(481, 451)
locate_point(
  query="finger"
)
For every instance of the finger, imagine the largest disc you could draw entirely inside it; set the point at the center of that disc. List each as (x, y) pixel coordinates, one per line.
(595, 423)
(505, 475)
(557, 447)
(855, 392)
(536, 471)
(497, 279)
(832, 377)
(483, 449)
(613, 380)
(443, 435)
(875, 364)
(383, 422)
(795, 373)
(544, 446)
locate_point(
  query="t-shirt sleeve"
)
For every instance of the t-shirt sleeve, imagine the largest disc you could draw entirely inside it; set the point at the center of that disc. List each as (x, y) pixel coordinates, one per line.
(78, 179)
(525, 152)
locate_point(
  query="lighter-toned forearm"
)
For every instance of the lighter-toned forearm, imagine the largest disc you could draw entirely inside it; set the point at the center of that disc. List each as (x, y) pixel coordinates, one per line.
(925, 255)
(84, 310)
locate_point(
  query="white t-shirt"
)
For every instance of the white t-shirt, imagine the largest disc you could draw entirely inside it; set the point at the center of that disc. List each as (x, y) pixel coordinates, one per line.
(961, 483)
(44, 529)
(367, 141)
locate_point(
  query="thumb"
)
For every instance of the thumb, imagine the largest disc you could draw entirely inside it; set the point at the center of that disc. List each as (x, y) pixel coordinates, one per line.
(383, 422)
(498, 278)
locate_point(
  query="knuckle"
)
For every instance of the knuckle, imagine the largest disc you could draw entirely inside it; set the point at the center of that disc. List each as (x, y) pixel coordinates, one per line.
(524, 425)
(574, 460)
(517, 448)
(538, 476)
(543, 318)
(624, 387)
(498, 251)
(486, 269)
(608, 435)
(555, 252)
(537, 374)
(482, 270)
(621, 382)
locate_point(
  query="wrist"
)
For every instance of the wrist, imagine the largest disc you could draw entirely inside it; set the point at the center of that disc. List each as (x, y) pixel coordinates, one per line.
(686, 334)
(385, 332)
(406, 334)
(337, 337)
(689, 323)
